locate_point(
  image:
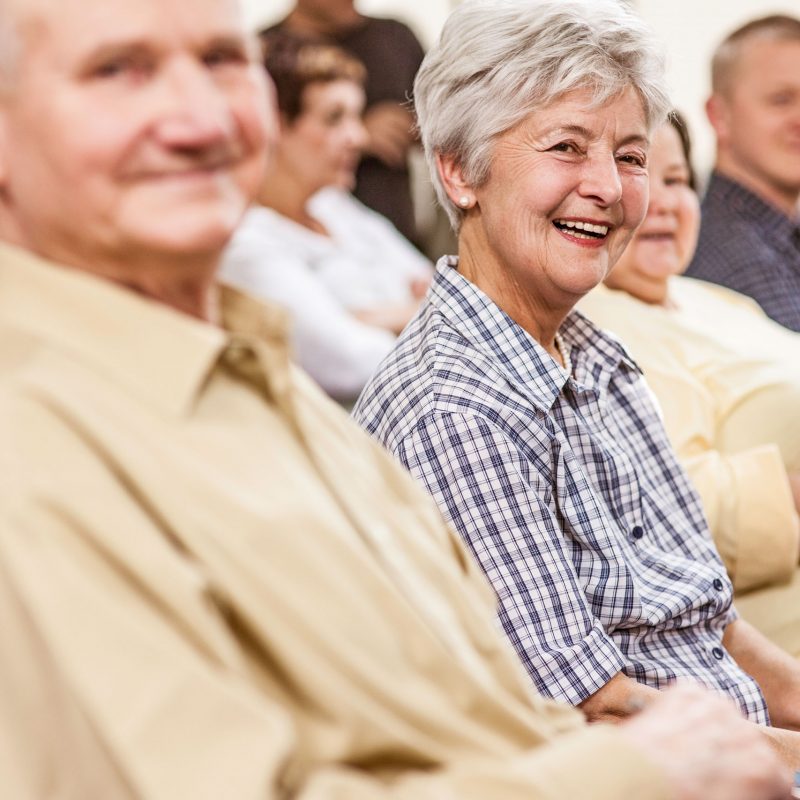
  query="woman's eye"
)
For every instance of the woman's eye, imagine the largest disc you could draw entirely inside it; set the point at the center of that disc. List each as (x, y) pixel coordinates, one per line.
(633, 159)
(564, 147)
(333, 118)
(780, 99)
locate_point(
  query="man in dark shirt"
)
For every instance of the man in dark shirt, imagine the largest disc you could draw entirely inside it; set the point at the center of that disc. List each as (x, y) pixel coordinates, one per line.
(750, 233)
(392, 55)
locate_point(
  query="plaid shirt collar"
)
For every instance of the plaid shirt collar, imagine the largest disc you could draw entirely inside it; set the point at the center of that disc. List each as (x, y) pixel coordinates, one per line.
(725, 192)
(595, 355)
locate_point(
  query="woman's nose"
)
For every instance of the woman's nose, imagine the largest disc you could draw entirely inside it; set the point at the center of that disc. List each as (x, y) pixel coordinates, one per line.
(601, 180)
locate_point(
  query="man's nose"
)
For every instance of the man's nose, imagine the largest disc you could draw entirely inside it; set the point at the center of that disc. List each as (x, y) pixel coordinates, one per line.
(196, 112)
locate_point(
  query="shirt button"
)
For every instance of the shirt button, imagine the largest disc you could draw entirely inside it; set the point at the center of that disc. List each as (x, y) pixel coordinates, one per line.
(237, 352)
(718, 584)
(718, 653)
(637, 532)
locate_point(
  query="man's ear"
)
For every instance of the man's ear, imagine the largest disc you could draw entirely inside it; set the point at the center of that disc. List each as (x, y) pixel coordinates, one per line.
(452, 177)
(717, 113)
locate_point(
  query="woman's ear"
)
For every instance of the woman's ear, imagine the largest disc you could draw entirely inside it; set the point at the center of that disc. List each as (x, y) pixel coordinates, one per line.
(452, 178)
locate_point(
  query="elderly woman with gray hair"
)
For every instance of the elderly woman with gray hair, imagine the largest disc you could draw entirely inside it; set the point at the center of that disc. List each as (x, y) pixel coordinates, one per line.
(535, 431)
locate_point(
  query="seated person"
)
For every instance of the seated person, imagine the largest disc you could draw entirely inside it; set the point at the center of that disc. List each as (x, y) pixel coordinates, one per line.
(212, 585)
(392, 55)
(727, 379)
(349, 279)
(750, 228)
(533, 430)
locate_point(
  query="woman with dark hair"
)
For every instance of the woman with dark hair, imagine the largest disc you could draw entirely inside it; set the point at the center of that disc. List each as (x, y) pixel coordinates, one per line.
(728, 381)
(349, 279)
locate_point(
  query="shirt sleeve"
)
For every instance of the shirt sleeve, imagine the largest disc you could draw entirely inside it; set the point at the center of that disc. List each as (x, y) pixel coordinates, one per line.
(497, 502)
(337, 350)
(174, 724)
(751, 513)
(590, 763)
(746, 495)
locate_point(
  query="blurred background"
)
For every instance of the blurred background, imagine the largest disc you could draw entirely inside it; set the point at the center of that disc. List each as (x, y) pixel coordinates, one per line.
(690, 30)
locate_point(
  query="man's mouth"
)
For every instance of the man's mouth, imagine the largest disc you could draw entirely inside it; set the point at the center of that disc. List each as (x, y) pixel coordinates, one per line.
(582, 230)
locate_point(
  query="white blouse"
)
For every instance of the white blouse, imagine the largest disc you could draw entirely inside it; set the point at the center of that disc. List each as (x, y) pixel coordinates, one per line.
(363, 264)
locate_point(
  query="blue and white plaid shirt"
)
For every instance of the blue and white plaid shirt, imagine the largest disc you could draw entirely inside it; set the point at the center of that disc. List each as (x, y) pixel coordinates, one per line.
(750, 246)
(567, 492)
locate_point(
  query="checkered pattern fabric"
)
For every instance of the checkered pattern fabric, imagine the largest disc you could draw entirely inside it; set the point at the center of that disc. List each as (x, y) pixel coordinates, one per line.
(749, 246)
(567, 492)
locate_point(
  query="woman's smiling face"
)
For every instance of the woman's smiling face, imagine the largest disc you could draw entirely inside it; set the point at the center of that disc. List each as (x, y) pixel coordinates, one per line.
(664, 244)
(566, 190)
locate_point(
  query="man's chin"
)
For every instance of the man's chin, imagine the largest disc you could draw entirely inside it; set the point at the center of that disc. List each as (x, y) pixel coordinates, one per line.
(193, 231)
(182, 245)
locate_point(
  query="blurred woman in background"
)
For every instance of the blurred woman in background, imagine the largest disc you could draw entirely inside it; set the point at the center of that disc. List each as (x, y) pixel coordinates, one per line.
(728, 381)
(349, 279)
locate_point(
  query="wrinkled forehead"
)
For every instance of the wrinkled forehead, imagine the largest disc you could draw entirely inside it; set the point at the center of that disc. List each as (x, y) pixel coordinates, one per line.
(67, 28)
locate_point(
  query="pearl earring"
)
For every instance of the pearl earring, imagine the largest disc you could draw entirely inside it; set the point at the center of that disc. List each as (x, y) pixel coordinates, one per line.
(464, 201)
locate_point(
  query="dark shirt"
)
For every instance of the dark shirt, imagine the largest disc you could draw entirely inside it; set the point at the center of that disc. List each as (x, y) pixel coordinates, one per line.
(392, 56)
(750, 246)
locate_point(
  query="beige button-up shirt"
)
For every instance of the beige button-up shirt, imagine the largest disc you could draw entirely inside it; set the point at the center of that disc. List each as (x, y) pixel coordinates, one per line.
(213, 585)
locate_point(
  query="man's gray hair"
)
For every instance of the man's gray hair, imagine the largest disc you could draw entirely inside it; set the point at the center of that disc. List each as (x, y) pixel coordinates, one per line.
(496, 61)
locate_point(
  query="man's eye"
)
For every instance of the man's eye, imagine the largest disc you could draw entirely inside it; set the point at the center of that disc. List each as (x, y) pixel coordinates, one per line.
(120, 67)
(112, 68)
(564, 147)
(224, 56)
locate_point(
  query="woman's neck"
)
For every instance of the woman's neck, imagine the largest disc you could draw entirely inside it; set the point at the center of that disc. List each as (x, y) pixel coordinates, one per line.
(283, 193)
(527, 308)
(652, 292)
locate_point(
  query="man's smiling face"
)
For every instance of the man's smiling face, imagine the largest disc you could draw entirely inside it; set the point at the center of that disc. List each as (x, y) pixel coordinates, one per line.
(132, 127)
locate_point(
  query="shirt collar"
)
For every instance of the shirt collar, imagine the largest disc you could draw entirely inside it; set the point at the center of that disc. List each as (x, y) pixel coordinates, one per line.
(156, 352)
(732, 195)
(595, 355)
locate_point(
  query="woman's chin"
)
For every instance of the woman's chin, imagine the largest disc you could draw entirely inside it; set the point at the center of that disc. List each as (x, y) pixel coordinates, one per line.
(660, 269)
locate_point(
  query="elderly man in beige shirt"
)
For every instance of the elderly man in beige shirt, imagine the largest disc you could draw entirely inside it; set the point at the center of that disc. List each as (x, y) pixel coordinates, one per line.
(212, 585)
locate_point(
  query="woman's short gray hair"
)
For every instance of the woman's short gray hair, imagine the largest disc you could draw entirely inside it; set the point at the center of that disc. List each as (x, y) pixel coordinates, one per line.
(498, 60)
